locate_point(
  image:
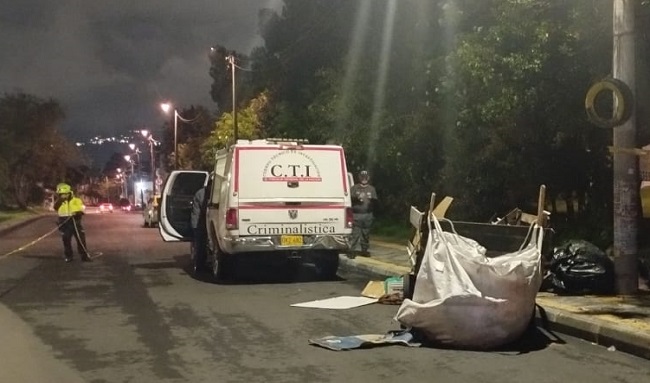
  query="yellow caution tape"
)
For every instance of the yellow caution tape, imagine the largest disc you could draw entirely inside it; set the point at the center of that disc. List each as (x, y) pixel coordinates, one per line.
(32, 243)
(42, 237)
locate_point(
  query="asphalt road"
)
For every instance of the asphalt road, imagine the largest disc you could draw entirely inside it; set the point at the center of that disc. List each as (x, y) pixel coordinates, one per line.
(135, 315)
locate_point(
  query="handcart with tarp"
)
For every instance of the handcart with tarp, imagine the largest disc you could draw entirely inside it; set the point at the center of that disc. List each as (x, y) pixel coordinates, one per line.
(472, 284)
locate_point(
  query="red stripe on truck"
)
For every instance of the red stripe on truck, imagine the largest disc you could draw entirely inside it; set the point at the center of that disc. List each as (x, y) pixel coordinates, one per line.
(285, 207)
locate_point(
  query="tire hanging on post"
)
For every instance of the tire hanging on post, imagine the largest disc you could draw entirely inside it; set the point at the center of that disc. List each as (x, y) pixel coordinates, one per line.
(624, 103)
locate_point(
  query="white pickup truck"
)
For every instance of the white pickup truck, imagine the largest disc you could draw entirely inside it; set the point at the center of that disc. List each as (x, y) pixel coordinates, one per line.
(272, 197)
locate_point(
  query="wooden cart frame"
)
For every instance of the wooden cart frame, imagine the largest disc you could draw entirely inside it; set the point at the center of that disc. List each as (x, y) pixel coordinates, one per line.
(500, 237)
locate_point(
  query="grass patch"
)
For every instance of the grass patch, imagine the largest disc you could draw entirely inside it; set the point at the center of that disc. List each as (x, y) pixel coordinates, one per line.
(11, 214)
(390, 231)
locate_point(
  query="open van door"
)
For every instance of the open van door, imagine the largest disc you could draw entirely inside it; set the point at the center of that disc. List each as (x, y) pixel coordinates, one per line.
(176, 204)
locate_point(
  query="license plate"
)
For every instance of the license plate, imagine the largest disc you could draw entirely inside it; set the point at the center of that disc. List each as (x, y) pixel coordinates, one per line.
(291, 240)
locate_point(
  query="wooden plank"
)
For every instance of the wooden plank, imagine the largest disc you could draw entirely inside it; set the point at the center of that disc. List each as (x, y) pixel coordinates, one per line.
(432, 202)
(632, 151)
(541, 202)
(415, 217)
(440, 210)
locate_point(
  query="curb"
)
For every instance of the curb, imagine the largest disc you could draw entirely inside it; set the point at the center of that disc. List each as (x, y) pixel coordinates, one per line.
(390, 245)
(371, 267)
(11, 225)
(593, 330)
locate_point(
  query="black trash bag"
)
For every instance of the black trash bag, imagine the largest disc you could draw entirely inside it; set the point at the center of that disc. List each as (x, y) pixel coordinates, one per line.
(580, 267)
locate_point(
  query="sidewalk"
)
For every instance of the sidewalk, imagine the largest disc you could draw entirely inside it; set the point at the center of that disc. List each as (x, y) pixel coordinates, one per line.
(622, 322)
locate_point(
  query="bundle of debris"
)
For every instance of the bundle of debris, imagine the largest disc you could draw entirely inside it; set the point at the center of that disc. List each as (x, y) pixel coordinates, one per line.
(473, 285)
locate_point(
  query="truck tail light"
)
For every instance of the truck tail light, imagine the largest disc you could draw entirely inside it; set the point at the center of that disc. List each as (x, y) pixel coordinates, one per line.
(349, 217)
(232, 219)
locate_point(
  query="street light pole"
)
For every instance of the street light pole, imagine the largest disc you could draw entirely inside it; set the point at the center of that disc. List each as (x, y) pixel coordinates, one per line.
(175, 139)
(167, 107)
(120, 176)
(136, 151)
(231, 61)
(132, 175)
(149, 138)
(153, 166)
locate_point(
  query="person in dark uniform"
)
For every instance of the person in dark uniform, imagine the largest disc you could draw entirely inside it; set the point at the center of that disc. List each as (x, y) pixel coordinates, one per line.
(199, 230)
(364, 200)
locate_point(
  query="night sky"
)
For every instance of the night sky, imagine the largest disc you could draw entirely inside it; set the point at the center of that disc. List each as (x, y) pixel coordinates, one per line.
(111, 63)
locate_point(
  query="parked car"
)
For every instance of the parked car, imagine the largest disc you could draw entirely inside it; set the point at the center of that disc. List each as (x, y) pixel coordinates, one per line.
(125, 205)
(150, 212)
(106, 207)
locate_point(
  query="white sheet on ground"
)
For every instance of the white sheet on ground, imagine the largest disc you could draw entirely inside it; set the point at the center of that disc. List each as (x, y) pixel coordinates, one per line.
(337, 303)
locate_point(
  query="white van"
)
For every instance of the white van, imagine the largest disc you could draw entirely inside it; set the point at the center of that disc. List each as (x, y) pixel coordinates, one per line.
(279, 198)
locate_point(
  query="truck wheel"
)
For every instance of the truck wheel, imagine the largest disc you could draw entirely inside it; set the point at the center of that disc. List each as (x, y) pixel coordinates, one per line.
(327, 264)
(221, 265)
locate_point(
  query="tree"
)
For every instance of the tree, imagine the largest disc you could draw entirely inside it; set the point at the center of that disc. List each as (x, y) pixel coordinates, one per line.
(482, 100)
(519, 79)
(32, 149)
(249, 126)
(191, 136)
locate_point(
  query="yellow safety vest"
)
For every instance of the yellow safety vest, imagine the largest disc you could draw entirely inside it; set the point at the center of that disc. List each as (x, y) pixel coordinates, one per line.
(69, 208)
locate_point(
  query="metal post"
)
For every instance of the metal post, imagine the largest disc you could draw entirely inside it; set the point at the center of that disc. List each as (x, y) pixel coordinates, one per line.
(175, 139)
(137, 154)
(153, 166)
(625, 167)
(231, 60)
(132, 182)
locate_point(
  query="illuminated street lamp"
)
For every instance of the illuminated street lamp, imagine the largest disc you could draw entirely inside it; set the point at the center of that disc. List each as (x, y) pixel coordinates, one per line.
(136, 151)
(148, 136)
(167, 107)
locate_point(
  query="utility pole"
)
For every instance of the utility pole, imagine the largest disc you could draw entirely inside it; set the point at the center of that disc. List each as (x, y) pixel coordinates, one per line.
(153, 166)
(175, 118)
(231, 61)
(626, 177)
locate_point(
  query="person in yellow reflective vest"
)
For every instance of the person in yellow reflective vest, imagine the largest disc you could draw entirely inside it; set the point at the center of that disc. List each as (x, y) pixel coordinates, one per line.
(70, 210)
